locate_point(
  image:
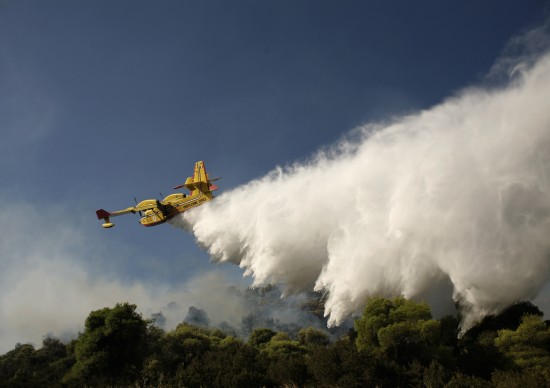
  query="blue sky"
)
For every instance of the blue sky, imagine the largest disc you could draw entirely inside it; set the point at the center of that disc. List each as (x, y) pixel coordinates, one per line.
(104, 101)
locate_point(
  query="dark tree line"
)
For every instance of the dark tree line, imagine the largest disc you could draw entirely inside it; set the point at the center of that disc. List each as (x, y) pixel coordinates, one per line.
(395, 343)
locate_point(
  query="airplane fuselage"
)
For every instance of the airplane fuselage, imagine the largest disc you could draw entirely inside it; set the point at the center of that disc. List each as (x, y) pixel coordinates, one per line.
(162, 211)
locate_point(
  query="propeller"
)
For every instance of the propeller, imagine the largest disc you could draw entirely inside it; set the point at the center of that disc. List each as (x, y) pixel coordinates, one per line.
(135, 200)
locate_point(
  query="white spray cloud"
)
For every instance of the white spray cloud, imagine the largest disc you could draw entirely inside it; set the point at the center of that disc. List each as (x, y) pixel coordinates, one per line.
(458, 194)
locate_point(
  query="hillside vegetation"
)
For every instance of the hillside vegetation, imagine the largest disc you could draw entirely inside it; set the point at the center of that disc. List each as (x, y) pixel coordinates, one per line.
(395, 343)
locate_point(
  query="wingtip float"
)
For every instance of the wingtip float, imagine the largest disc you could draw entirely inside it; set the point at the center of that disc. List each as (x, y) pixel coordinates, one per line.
(154, 212)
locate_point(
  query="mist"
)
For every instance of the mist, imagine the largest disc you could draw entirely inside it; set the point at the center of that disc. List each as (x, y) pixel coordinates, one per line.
(54, 274)
(449, 202)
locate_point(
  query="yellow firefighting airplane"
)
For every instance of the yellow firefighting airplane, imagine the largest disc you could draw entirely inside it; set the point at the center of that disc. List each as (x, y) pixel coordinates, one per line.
(154, 212)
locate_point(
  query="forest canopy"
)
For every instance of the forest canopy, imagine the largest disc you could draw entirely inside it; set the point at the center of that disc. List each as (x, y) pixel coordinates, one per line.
(396, 342)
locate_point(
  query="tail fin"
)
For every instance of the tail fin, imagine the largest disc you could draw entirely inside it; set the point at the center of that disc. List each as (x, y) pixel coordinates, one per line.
(200, 173)
(104, 215)
(200, 177)
(199, 181)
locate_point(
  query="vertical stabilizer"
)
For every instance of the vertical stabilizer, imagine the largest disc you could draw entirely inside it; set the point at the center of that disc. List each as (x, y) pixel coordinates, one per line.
(200, 178)
(199, 181)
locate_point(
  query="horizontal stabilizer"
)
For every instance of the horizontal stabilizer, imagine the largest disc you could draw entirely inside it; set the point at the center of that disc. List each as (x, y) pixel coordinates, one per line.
(104, 215)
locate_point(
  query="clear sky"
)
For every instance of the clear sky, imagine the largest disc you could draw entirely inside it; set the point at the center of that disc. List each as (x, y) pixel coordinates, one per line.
(104, 101)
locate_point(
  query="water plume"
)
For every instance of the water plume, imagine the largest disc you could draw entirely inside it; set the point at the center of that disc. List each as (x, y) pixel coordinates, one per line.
(453, 197)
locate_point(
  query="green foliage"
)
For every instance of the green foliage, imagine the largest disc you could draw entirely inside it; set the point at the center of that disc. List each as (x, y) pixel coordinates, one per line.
(54, 358)
(396, 343)
(281, 345)
(434, 376)
(480, 352)
(405, 310)
(479, 356)
(285, 359)
(460, 380)
(16, 366)
(375, 317)
(399, 329)
(26, 367)
(528, 347)
(186, 343)
(514, 379)
(112, 347)
(260, 337)
(340, 365)
(508, 319)
(477, 353)
(231, 364)
(312, 337)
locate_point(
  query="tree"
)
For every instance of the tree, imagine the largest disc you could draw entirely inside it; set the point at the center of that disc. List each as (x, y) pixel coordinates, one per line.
(286, 360)
(509, 319)
(400, 330)
(460, 380)
(528, 347)
(434, 376)
(340, 365)
(514, 379)
(230, 363)
(312, 337)
(52, 361)
(16, 367)
(112, 347)
(178, 350)
(260, 337)
(396, 343)
(26, 367)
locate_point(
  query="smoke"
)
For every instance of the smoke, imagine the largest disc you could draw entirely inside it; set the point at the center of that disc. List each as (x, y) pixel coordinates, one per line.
(260, 307)
(52, 275)
(54, 271)
(456, 197)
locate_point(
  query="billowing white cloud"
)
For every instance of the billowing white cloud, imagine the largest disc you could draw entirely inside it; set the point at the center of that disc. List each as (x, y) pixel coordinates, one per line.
(453, 197)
